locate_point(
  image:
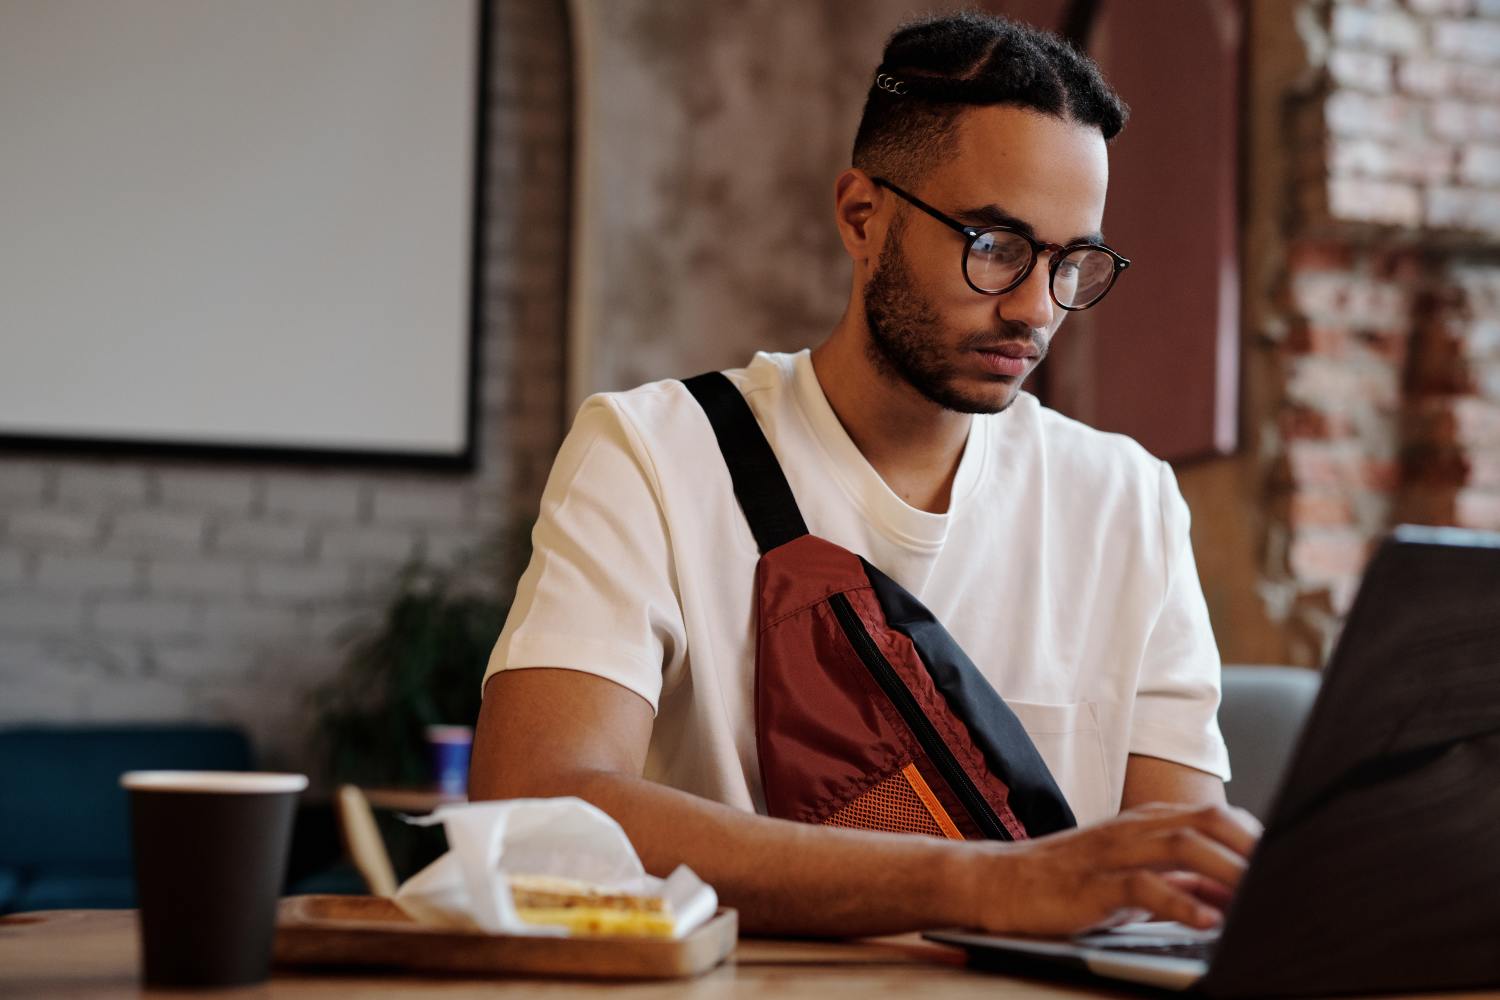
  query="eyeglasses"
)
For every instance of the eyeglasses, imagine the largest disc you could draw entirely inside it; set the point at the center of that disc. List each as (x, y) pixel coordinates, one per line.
(998, 258)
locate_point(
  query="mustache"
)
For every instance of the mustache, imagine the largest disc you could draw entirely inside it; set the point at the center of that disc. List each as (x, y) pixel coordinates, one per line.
(1018, 334)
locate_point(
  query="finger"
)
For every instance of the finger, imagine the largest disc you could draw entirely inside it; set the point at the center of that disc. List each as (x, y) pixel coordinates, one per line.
(1204, 889)
(1189, 850)
(1231, 826)
(1152, 891)
(1176, 848)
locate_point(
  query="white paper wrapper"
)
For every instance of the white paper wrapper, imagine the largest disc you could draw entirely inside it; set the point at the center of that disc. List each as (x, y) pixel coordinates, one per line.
(565, 837)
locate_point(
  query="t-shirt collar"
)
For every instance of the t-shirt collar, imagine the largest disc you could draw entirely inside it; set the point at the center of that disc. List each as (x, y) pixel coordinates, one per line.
(892, 515)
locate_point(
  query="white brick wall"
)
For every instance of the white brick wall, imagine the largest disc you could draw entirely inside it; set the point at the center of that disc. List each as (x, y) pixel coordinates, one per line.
(45, 696)
(196, 576)
(160, 589)
(365, 543)
(273, 539)
(51, 528)
(296, 584)
(146, 617)
(193, 489)
(242, 621)
(12, 570)
(86, 573)
(100, 486)
(327, 496)
(26, 613)
(22, 481)
(141, 699)
(203, 658)
(149, 531)
(412, 503)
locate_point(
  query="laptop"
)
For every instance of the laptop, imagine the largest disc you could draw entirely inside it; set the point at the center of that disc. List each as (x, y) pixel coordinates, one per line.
(1379, 868)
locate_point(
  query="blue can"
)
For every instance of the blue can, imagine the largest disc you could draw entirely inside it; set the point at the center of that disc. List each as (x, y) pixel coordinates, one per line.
(448, 749)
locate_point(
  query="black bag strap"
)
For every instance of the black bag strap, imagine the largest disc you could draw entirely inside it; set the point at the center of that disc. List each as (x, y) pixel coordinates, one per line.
(759, 484)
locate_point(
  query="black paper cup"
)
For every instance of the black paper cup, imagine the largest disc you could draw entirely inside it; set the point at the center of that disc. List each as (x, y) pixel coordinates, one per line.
(210, 853)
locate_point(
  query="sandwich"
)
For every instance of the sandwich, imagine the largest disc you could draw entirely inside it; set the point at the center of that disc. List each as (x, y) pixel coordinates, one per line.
(589, 910)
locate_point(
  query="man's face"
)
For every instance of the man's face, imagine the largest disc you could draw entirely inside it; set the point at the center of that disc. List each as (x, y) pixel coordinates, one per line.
(963, 350)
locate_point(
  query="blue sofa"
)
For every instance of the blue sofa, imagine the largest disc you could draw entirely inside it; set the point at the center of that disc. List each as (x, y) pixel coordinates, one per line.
(65, 820)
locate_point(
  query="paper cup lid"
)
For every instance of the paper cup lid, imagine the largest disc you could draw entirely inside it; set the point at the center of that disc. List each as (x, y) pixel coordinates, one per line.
(230, 782)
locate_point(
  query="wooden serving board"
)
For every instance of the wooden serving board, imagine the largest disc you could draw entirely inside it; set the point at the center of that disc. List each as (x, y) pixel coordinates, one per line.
(372, 931)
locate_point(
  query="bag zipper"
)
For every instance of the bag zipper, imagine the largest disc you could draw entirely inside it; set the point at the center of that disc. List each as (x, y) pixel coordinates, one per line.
(932, 744)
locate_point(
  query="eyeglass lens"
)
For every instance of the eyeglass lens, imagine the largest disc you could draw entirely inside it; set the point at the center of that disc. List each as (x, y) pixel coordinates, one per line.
(997, 259)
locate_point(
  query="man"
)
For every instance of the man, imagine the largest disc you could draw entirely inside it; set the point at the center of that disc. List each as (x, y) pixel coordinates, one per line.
(1057, 556)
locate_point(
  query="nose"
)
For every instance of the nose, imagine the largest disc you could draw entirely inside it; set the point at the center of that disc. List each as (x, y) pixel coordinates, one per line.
(1031, 301)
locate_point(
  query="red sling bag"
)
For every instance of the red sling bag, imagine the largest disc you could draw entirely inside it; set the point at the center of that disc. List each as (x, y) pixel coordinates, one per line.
(867, 712)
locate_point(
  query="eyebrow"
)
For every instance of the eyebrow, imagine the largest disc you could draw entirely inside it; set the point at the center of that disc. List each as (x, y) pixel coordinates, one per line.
(994, 215)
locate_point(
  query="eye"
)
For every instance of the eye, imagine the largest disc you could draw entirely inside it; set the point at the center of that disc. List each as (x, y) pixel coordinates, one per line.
(1002, 248)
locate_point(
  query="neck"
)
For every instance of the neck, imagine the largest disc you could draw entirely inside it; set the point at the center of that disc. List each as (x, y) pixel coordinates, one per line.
(913, 443)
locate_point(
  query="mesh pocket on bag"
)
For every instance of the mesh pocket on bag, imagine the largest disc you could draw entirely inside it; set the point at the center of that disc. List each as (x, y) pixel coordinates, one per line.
(901, 803)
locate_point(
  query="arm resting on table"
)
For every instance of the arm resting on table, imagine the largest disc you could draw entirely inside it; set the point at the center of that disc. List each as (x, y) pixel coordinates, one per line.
(547, 732)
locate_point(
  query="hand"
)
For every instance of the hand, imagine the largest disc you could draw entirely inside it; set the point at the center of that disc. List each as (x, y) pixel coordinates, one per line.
(1171, 862)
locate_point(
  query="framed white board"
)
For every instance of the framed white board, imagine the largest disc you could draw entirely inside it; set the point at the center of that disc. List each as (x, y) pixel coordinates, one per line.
(241, 226)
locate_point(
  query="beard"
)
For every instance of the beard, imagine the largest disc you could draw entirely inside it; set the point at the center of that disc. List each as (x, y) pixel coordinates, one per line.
(908, 339)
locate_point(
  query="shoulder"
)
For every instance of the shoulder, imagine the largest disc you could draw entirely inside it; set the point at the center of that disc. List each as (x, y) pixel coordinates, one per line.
(659, 413)
(658, 427)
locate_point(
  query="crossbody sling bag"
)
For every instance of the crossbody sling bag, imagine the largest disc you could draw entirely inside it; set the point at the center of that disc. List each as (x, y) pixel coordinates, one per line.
(867, 712)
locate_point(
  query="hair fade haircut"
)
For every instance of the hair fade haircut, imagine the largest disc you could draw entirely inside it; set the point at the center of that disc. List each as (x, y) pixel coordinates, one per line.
(946, 63)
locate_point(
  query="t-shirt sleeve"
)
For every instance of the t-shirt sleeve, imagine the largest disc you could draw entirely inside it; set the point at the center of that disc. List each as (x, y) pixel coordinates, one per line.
(600, 593)
(1177, 695)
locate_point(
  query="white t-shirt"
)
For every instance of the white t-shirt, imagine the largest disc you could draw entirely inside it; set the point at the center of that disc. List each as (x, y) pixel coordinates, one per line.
(1062, 567)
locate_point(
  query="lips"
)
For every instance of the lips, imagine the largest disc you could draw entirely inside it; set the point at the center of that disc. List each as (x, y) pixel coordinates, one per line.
(1011, 349)
(1010, 360)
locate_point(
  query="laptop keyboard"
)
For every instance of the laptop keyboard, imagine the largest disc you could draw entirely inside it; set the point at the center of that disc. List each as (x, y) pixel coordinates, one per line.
(1199, 950)
(1177, 949)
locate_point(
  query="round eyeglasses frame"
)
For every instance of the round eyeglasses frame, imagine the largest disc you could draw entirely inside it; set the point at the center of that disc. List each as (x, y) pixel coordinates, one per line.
(971, 234)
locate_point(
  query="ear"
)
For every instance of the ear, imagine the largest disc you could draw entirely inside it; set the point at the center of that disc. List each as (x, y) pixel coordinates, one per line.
(856, 201)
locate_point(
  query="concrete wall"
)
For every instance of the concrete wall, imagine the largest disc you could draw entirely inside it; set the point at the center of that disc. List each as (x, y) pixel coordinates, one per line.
(710, 136)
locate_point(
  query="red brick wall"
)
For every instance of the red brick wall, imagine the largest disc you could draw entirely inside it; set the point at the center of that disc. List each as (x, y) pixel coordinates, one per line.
(1386, 335)
(1452, 426)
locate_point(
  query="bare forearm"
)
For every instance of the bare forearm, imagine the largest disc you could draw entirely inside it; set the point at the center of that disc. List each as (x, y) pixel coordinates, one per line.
(547, 732)
(783, 877)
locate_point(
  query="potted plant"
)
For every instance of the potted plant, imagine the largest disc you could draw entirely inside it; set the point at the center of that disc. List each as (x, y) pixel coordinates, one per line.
(419, 666)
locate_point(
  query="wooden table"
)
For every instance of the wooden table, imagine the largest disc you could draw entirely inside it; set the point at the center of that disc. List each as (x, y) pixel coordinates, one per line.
(86, 954)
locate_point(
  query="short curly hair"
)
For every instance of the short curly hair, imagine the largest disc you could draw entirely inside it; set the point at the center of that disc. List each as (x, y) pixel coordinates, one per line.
(935, 67)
